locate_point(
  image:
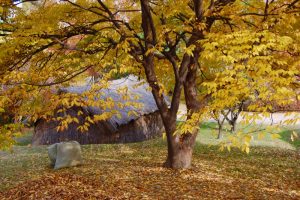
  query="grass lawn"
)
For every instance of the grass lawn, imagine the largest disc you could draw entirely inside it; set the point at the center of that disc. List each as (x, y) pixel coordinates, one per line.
(208, 135)
(286, 136)
(133, 171)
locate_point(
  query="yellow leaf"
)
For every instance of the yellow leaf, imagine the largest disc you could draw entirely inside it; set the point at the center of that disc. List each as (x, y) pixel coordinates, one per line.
(164, 136)
(247, 150)
(228, 148)
(275, 136)
(295, 134)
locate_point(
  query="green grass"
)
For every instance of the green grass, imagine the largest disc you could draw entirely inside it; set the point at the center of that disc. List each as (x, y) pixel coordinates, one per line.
(286, 136)
(25, 139)
(208, 135)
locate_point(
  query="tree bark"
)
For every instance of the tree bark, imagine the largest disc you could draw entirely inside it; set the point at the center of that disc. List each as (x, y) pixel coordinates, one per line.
(179, 158)
(181, 151)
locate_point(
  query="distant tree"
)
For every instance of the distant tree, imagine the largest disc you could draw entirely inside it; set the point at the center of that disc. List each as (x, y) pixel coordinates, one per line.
(233, 115)
(253, 45)
(229, 115)
(220, 119)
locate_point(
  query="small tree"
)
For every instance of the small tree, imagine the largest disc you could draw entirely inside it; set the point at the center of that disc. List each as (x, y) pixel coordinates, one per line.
(220, 119)
(229, 115)
(232, 115)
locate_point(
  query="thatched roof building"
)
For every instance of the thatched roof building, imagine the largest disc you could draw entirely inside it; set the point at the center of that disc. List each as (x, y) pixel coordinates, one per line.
(124, 128)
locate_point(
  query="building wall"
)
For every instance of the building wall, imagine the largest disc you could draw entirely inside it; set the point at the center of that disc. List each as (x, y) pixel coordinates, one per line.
(144, 128)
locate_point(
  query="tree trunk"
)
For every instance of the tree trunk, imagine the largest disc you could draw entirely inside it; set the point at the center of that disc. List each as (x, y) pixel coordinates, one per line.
(180, 151)
(180, 158)
(180, 147)
(233, 126)
(219, 132)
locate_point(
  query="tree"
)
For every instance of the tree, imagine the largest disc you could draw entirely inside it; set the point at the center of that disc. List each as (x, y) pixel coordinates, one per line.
(168, 42)
(220, 118)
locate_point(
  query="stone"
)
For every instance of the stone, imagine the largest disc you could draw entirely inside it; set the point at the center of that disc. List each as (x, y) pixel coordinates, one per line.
(52, 153)
(65, 154)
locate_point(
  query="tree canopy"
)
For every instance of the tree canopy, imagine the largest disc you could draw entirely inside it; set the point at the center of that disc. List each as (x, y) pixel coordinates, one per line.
(212, 53)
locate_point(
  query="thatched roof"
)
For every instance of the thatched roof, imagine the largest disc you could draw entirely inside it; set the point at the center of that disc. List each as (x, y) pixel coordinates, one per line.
(135, 86)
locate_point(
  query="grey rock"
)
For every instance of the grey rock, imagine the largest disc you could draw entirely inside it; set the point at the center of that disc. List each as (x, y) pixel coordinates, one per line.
(65, 154)
(52, 153)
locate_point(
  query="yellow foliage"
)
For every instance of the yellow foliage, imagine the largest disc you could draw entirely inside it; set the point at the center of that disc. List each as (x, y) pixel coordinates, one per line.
(242, 51)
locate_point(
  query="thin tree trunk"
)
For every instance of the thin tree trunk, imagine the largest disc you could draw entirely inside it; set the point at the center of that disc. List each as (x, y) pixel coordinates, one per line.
(219, 131)
(233, 126)
(221, 123)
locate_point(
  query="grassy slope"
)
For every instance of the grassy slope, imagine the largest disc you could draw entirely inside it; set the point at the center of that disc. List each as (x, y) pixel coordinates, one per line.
(134, 171)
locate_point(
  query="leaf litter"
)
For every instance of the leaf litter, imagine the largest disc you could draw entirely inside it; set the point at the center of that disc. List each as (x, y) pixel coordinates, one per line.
(133, 171)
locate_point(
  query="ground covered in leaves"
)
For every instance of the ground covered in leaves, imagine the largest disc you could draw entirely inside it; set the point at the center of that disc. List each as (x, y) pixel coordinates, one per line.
(133, 171)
